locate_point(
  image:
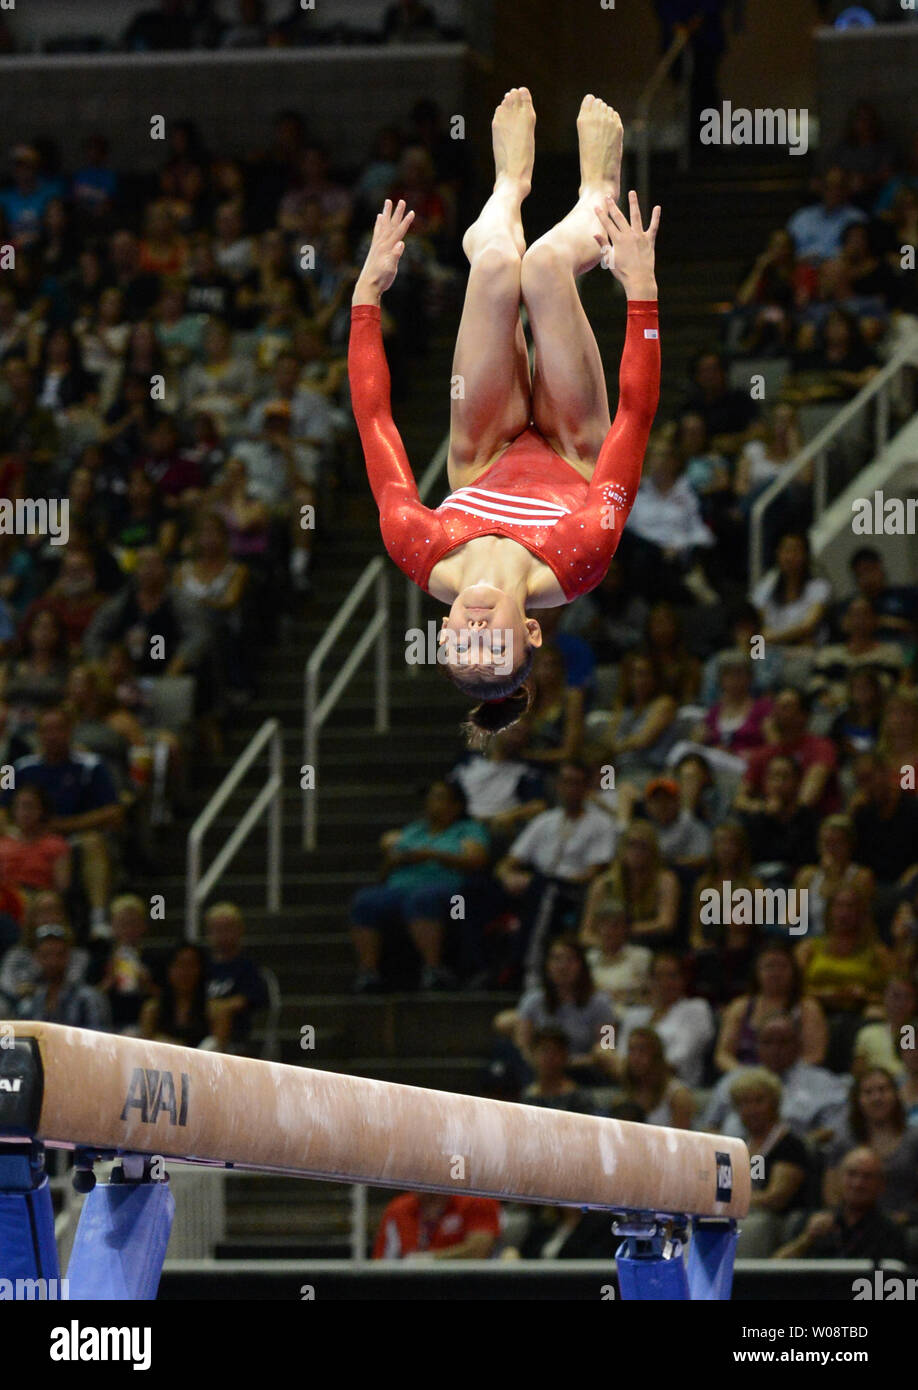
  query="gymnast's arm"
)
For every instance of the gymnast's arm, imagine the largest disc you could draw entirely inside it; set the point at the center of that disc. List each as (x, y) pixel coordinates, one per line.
(388, 468)
(618, 469)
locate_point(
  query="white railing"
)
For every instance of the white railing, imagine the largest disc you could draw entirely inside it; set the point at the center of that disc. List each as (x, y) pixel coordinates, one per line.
(316, 711)
(641, 127)
(268, 799)
(816, 453)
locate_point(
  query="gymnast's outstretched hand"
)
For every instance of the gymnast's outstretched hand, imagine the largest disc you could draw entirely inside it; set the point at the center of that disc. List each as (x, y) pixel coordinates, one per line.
(628, 249)
(381, 265)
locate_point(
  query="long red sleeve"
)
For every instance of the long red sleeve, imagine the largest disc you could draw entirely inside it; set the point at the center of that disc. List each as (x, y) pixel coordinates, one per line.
(589, 537)
(368, 372)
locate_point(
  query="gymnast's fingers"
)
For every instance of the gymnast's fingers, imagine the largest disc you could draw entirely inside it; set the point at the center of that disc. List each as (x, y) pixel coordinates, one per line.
(654, 224)
(635, 208)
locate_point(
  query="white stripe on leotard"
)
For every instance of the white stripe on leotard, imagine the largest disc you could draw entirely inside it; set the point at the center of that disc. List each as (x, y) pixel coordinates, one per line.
(506, 507)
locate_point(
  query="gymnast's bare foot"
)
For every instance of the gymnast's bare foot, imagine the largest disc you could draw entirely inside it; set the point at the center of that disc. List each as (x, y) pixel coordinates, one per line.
(600, 135)
(513, 134)
(513, 130)
(579, 237)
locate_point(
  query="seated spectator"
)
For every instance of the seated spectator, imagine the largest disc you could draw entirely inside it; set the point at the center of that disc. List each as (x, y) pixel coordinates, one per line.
(777, 992)
(640, 881)
(84, 801)
(724, 951)
(223, 382)
(553, 1088)
(678, 670)
(564, 1233)
(120, 969)
(312, 420)
(728, 412)
(424, 866)
(64, 386)
(767, 665)
(550, 864)
(620, 969)
(835, 869)
(896, 606)
(832, 364)
(876, 1119)
(180, 1014)
(647, 1080)
(283, 474)
(177, 478)
(792, 601)
(73, 598)
(833, 665)
(139, 522)
(439, 1227)
(660, 548)
(847, 968)
(856, 1228)
(18, 971)
(31, 857)
(247, 517)
(143, 610)
(566, 998)
(814, 756)
(250, 29)
(639, 733)
(878, 1042)
(409, 21)
(707, 471)
(735, 721)
(501, 789)
(885, 819)
(856, 727)
(684, 840)
(685, 1025)
(55, 998)
(17, 572)
(813, 1099)
(782, 833)
(762, 318)
(212, 585)
(554, 722)
(763, 460)
(37, 679)
(778, 1187)
(235, 985)
(898, 741)
(817, 230)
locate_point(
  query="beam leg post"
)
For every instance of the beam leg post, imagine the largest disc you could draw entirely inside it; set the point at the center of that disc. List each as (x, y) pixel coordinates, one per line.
(711, 1256)
(121, 1240)
(649, 1261)
(28, 1251)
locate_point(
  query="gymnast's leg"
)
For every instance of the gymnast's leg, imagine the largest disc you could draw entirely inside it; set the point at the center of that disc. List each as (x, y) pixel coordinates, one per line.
(490, 365)
(570, 405)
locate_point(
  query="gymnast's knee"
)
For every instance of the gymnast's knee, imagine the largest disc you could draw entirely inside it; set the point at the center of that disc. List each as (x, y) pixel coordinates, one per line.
(542, 266)
(498, 264)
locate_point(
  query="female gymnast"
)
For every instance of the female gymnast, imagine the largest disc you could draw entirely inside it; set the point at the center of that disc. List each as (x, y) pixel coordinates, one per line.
(541, 483)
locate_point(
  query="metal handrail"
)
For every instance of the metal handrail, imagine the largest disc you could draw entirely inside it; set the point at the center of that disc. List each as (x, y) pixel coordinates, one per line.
(640, 126)
(817, 450)
(269, 798)
(316, 711)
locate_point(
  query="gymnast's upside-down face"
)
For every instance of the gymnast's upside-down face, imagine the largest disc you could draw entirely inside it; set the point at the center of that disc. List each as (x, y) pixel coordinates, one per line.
(486, 631)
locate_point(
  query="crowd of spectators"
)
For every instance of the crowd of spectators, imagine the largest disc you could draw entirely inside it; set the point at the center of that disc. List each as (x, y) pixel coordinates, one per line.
(696, 858)
(159, 26)
(173, 380)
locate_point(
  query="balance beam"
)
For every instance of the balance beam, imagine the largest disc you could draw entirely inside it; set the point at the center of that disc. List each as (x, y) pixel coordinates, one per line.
(69, 1088)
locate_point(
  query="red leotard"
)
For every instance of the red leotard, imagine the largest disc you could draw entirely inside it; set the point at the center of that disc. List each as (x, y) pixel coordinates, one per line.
(531, 494)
